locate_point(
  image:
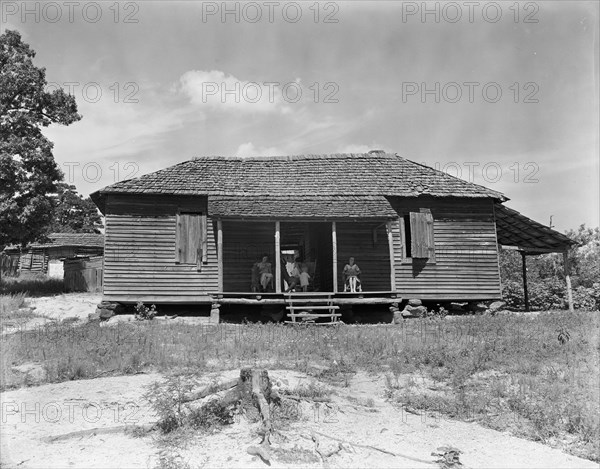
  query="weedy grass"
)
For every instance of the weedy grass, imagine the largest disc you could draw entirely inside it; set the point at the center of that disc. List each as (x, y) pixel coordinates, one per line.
(311, 390)
(10, 303)
(534, 375)
(14, 311)
(32, 285)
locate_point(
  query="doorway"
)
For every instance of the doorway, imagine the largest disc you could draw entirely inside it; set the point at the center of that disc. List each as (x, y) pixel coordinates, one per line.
(312, 243)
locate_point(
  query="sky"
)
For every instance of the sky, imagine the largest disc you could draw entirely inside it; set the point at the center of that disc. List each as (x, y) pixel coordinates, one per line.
(504, 94)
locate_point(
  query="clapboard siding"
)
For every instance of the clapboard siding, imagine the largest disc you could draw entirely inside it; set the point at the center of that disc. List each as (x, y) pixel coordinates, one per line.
(371, 253)
(466, 255)
(140, 257)
(244, 243)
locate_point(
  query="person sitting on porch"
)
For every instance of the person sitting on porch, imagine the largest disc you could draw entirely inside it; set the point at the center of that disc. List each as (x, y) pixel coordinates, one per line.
(304, 278)
(264, 273)
(351, 275)
(294, 275)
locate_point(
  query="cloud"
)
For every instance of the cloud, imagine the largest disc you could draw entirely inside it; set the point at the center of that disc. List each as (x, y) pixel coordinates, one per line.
(115, 141)
(112, 130)
(248, 149)
(360, 148)
(214, 90)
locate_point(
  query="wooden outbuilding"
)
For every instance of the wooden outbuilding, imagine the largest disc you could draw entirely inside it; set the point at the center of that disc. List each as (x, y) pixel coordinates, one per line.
(46, 257)
(193, 232)
(83, 274)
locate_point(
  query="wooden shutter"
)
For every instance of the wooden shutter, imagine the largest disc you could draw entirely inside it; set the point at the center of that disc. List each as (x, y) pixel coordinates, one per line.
(191, 241)
(422, 242)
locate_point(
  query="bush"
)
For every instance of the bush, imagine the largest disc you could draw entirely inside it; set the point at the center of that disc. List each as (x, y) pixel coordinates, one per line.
(168, 402)
(210, 415)
(551, 294)
(512, 293)
(547, 294)
(144, 313)
(587, 298)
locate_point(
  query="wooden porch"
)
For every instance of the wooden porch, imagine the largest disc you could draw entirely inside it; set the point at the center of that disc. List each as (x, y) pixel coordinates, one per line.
(337, 298)
(326, 244)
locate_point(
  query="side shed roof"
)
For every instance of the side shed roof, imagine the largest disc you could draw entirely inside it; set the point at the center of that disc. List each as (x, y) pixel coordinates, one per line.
(59, 240)
(515, 229)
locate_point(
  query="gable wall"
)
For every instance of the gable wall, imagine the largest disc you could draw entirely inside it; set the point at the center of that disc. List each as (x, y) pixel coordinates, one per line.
(139, 262)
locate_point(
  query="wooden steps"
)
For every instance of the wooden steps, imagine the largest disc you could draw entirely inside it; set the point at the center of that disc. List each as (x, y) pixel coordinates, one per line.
(313, 315)
(306, 303)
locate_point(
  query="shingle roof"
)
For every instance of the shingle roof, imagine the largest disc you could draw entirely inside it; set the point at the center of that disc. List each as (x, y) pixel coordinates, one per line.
(300, 207)
(56, 240)
(515, 229)
(369, 174)
(73, 239)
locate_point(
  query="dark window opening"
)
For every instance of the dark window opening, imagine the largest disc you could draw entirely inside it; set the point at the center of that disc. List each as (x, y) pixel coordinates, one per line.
(407, 236)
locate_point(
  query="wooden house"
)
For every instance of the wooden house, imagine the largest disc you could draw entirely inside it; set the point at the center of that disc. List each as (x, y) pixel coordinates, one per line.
(47, 257)
(192, 232)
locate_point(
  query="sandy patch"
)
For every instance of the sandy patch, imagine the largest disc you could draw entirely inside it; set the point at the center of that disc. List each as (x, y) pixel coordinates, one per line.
(49, 310)
(42, 427)
(68, 305)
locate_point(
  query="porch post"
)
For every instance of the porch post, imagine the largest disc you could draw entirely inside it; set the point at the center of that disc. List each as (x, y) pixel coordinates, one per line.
(220, 254)
(568, 279)
(334, 248)
(277, 257)
(525, 292)
(390, 234)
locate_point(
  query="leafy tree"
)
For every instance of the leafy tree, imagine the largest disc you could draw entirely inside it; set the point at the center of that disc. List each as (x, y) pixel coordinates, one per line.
(585, 259)
(28, 172)
(73, 213)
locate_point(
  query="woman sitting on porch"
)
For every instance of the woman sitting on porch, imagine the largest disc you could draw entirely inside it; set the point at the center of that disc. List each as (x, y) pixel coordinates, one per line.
(264, 273)
(351, 275)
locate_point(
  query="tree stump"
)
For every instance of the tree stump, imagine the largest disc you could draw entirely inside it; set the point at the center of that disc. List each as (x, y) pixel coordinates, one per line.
(255, 388)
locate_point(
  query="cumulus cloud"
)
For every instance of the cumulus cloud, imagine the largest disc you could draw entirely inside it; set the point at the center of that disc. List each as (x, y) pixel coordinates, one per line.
(248, 149)
(361, 148)
(214, 90)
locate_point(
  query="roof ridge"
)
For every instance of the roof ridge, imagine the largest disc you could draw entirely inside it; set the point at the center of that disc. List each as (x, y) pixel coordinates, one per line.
(291, 157)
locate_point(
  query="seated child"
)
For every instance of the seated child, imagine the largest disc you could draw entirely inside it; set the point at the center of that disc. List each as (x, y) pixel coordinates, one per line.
(294, 275)
(304, 278)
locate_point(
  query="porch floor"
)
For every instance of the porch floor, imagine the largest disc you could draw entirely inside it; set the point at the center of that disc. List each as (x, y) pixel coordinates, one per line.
(339, 298)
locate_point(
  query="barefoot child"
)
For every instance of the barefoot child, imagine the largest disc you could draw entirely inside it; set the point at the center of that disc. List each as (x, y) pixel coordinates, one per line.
(304, 278)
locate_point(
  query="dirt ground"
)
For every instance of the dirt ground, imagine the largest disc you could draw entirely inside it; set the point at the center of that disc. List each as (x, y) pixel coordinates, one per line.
(84, 424)
(68, 305)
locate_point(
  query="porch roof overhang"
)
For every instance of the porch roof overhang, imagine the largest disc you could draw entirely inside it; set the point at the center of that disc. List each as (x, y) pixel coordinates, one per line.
(301, 207)
(527, 235)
